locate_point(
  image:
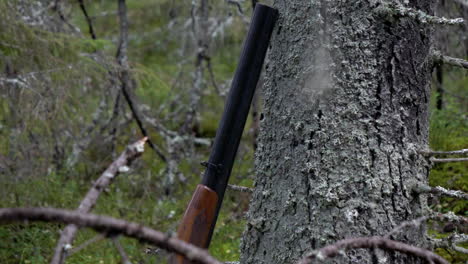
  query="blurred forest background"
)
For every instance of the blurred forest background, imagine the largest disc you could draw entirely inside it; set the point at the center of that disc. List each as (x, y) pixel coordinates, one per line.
(74, 93)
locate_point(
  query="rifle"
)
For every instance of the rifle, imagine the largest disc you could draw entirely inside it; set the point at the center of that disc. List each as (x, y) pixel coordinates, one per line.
(200, 216)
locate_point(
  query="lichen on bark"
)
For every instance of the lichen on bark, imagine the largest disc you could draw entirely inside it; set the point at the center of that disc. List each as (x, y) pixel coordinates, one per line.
(345, 113)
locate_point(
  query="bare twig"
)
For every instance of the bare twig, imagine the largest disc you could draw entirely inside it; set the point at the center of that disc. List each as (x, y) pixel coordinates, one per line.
(122, 60)
(371, 242)
(88, 19)
(120, 165)
(123, 254)
(442, 59)
(435, 160)
(240, 188)
(88, 242)
(438, 190)
(453, 152)
(108, 225)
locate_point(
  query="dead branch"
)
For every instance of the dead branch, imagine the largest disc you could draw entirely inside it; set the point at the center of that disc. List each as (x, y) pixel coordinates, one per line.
(438, 190)
(108, 225)
(399, 10)
(122, 60)
(435, 160)
(240, 188)
(88, 19)
(437, 57)
(453, 152)
(371, 242)
(120, 165)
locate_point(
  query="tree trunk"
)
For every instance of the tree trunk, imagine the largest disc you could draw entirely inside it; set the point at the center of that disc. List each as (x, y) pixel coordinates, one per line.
(346, 111)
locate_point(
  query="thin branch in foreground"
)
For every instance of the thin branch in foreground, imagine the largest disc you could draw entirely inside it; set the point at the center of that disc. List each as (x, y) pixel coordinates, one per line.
(119, 165)
(438, 190)
(453, 152)
(435, 160)
(109, 225)
(437, 57)
(371, 242)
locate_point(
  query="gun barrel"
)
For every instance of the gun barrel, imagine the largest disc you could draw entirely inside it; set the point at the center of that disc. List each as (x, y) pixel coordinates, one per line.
(238, 101)
(210, 192)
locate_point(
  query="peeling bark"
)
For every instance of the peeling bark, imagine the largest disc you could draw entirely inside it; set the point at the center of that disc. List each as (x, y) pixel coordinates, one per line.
(345, 113)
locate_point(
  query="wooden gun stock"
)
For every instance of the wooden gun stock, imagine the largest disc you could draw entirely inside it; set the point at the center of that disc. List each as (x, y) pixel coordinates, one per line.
(196, 224)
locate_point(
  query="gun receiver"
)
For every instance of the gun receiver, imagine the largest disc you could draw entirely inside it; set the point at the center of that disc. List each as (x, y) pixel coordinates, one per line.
(200, 217)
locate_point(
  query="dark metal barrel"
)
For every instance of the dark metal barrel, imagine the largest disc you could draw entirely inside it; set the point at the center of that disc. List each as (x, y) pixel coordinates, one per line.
(238, 102)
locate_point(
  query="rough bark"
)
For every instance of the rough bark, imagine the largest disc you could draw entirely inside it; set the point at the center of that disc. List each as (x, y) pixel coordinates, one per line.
(345, 113)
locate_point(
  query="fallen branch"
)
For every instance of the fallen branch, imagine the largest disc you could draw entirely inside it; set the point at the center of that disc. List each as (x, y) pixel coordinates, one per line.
(108, 225)
(371, 242)
(119, 165)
